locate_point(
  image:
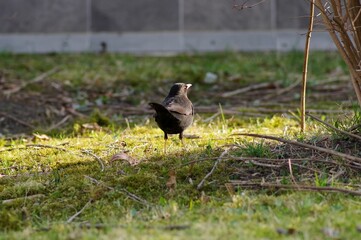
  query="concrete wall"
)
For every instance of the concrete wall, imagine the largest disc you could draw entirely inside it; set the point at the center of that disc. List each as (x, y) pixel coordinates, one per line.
(153, 25)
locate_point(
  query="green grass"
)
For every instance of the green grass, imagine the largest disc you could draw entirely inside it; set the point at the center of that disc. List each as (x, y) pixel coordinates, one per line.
(59, 179)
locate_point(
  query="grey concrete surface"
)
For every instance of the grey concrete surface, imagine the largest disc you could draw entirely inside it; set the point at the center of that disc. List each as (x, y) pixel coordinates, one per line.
(134, 16)
(164, 42)
(203, 15)
(43, 16)
(295, 17)
(153, 26)
(44, 43)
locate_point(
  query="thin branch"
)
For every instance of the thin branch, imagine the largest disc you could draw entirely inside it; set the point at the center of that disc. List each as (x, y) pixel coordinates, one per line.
(66, 118)
(39, 78)
(291, 172)
(17, 120)
(122, 190)
(45, 146)
(295, 187)
(31, 197)
(78, 213)
(334, 128)
(200, 185)
(305, 66)
(244, 5)
(282, 91)
(96, 157)
(305, 145)
(247, 89)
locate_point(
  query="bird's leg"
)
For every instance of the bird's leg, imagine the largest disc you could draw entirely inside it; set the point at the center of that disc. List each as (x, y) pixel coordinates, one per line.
(181, 138)
(165, 142)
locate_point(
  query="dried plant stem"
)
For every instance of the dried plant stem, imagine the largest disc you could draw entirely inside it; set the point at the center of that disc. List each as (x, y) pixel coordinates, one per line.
(334, 128)
(338, 20)
(39, 78)
(17, 120)
(295, 187)
(305, 145)
(122, 190)
(305, 66)
(31, 197)
(219, 159)
(79, 212)
(101, 163)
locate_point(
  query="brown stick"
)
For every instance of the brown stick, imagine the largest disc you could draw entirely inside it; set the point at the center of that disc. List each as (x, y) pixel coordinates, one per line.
(122, 190)
(295, 187)
(281, 162)
(31, 197)
(334, 128)
(17, 120)
(79, 212)
(246, 89)
(39, 78)
(219, 159)
(282, 91)
(305, 145)
(66, 118)
(305, 66)
(46, 146)
(342, 48)
(101, 163)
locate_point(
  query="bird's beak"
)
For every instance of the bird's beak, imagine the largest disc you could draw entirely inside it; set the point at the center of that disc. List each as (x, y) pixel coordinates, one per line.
(188, 85)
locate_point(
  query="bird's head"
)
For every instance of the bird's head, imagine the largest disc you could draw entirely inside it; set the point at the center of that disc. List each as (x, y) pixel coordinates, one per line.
(179, 89)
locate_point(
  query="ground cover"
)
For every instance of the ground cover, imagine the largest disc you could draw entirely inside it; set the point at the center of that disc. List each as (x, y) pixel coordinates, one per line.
(81, 156)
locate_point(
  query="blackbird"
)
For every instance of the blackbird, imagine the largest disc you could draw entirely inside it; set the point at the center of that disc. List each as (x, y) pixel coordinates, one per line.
(175, 113)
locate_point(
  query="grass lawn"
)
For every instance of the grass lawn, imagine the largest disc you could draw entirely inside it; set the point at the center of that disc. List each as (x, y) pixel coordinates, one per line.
(82, 158)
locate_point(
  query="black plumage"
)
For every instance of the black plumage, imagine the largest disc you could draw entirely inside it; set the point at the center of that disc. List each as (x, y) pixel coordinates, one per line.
(175, 113)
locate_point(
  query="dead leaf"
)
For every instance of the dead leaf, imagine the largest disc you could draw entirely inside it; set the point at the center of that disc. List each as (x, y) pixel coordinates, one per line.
(172, 181)
(204, 197)
(191, 136)
(41, 137)
(123, 156)
(91, 126)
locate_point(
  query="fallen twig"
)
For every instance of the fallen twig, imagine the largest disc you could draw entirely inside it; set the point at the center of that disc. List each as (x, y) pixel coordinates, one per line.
(66, 118)
(38, 146)
(295, 187)
(96, 157)
(246, 89)
(305, 145)
(334, 128)
(31, 197)
(79, 212)
(17, 120)
(281, 162)
(122, 190)
(284, 161)
(200, 185)
(282, 91)
(45, 146)
(291, 171)
(39, 78)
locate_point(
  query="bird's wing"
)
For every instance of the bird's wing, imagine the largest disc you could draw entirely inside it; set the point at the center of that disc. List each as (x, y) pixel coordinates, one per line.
(179, 106)
(161, 110)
